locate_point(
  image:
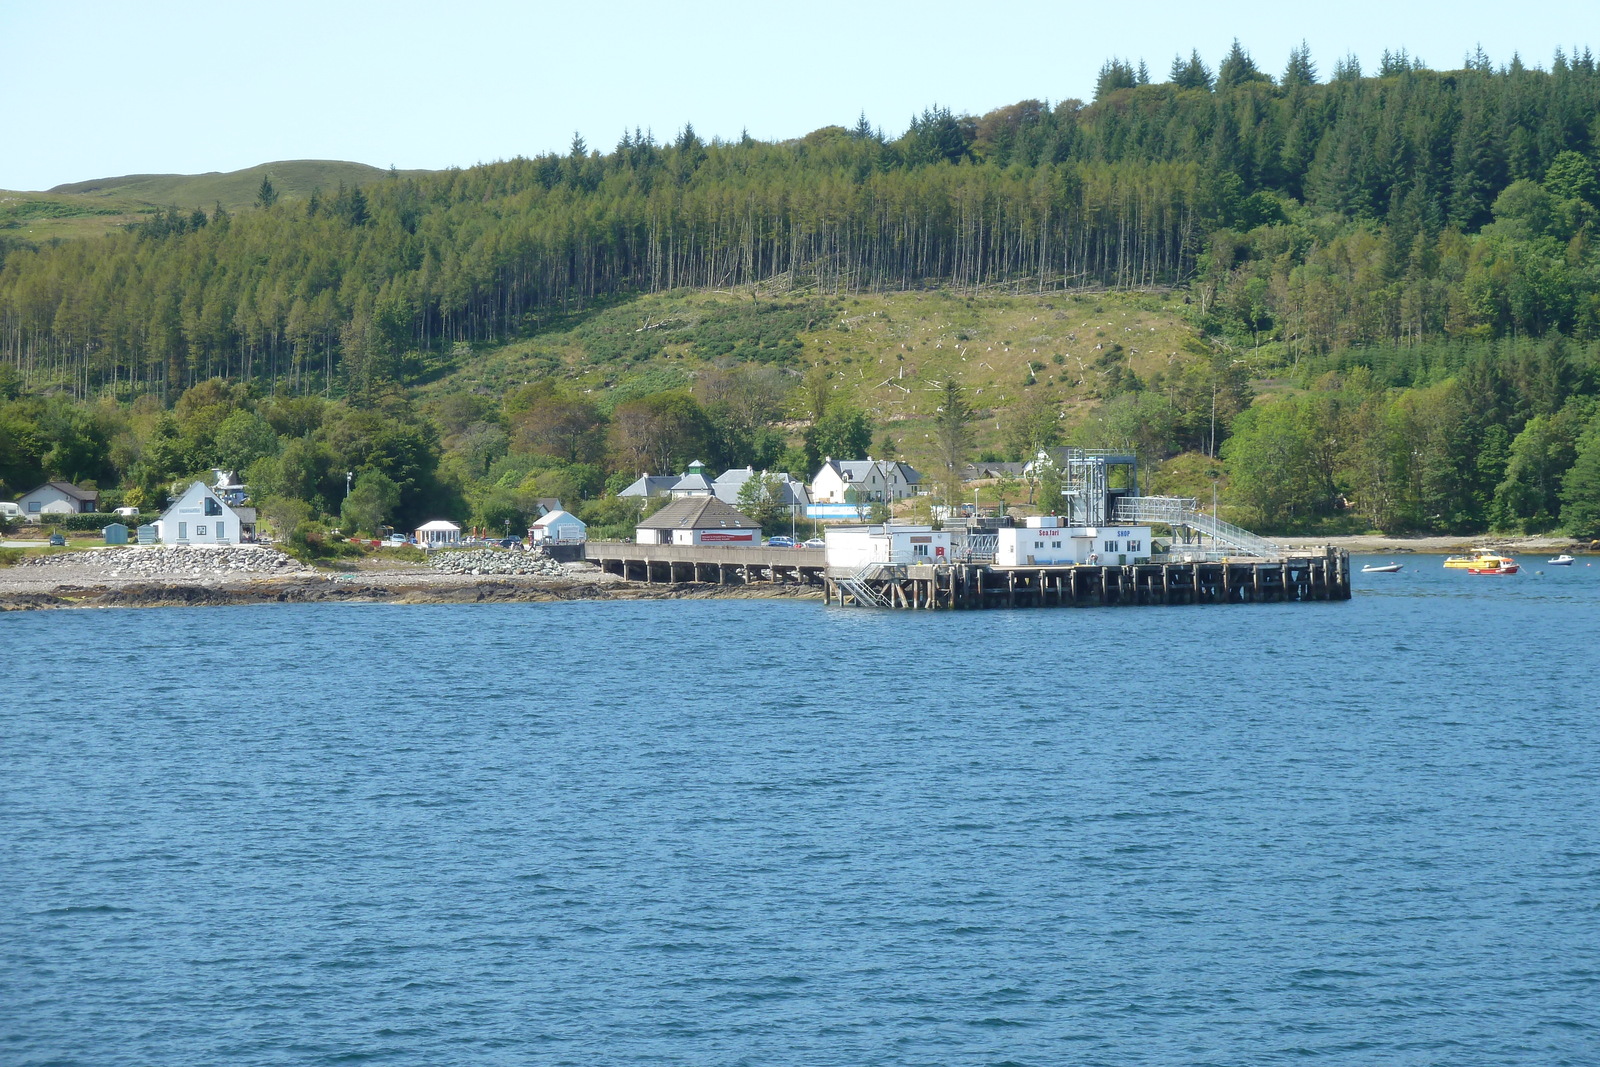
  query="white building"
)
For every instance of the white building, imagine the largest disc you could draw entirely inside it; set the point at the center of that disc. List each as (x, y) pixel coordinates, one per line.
(693, 482)
(699, 520)
(730, 483)
(199, 517)
(558, 527)
(438, 534)
(857, 546)
(57, 498)
(863, 481)
(1045, 542)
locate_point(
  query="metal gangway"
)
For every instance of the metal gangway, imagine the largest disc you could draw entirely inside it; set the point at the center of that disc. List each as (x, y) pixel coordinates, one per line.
(856, 585)
(1185, 511)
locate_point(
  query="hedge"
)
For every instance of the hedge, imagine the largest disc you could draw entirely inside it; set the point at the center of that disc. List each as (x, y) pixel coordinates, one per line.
(93, 520)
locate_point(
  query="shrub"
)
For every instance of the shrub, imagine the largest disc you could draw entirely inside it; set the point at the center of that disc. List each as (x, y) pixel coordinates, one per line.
(9, 556)
(93, 521)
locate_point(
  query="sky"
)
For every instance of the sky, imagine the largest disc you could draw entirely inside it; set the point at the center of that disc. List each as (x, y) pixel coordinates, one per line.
(98, 89)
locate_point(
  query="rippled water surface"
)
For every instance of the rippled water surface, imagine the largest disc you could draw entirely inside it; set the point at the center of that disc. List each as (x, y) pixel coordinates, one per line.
(745, 832)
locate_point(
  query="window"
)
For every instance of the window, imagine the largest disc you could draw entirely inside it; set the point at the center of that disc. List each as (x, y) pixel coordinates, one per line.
(212, 508)
(1133, 546)
(1111, 546)
(220, 534)
(33, 507)
(919, 550)
(1055, 544)
(199, 531)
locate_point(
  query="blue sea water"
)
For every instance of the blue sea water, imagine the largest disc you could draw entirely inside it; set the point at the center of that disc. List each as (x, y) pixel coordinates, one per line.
(757, 832)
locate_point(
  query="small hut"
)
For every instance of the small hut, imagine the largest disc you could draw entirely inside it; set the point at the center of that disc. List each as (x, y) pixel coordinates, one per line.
(558, 527)
(115, 534)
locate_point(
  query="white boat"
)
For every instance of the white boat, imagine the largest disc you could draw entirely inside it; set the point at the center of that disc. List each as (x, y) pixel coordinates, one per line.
(1562, 560)
(1384, 568)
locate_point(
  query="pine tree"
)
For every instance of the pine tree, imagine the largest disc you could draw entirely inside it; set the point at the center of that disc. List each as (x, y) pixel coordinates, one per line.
(951, 435)
(1300, 71)
(1115, 74)
(1237, 68)
(266, 196)
(1191, 73)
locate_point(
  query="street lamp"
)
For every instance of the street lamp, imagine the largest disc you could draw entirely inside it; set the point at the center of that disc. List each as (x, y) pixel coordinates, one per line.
(348, 476)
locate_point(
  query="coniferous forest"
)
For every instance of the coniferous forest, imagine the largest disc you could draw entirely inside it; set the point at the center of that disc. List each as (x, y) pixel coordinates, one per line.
(1391, 276)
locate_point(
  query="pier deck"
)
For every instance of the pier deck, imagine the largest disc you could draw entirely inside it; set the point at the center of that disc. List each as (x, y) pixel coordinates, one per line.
(1306, 576)
(1323, 575)
(711, 564)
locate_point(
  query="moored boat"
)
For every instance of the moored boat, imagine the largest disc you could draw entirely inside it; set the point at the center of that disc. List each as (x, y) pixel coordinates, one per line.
(1492, 564)
(1480, 558)
(1562, 560)
(1386, 568)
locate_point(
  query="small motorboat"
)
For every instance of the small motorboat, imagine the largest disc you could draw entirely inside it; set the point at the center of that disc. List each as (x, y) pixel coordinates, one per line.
(1491, 564)
(1562, 560)
(1380, 568)
(1480, 557)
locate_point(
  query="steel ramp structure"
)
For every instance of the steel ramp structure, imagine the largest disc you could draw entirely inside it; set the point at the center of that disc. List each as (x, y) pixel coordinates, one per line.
(857, 586)
(1185, 511)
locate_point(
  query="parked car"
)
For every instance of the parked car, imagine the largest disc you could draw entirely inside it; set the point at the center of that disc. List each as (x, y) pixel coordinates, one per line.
(57, 540)
(397, 539)
(816, 542)
(780, 542)
(509, 542)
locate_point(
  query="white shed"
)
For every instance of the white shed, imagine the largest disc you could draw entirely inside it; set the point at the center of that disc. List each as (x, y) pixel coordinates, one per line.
(1044, 542)
(199, 517)
(558, 527)
(438, 534)
(857, 546)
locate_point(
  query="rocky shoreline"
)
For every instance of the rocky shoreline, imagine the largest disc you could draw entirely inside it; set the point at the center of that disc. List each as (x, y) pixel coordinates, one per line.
(194, 577)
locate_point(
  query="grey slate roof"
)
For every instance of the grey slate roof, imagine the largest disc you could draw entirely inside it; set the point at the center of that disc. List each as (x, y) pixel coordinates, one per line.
(731, 482)
(648, 485)
(88, 495)
(857, 470)
(699, 513)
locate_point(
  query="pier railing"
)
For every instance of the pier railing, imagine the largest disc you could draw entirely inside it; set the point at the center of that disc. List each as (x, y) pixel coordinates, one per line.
(1185, 511)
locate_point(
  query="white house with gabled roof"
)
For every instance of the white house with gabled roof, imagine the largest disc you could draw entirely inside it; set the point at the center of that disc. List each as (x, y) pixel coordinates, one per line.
(58, 498)
(200, 517)
(861, 481)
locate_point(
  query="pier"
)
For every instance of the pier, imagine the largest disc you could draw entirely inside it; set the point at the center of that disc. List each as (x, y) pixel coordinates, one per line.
(964, 585)
(708, 564)
(1099, 550)
(1323, 575)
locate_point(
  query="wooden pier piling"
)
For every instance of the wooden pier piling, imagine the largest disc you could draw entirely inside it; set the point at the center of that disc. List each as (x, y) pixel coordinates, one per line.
(1323, 575)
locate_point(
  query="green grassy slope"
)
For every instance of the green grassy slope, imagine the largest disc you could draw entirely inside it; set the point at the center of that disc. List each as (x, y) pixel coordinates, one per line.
(882, 352)
(85, 209)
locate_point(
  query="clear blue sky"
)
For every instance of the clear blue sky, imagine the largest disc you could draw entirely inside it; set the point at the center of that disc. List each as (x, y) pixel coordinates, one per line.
(97, 89)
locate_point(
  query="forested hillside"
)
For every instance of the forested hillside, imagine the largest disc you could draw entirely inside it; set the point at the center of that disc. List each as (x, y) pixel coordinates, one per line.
(1391, 277)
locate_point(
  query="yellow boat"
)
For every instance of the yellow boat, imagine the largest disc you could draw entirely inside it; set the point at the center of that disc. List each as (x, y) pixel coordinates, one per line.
(1481, 561)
